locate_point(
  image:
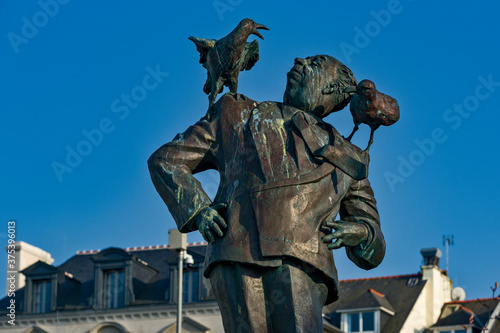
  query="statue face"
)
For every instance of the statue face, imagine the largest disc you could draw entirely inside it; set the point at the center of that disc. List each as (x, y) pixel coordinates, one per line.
(306, 81)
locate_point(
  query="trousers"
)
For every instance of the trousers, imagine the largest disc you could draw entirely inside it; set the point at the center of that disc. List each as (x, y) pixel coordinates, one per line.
(257, 299)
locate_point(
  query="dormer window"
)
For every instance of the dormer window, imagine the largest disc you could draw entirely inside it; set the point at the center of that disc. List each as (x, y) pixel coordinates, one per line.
(114, 288)
(361, 322)
(194, 286)
(113, 279)
(191, 288)
(41, 288)
(365, 313)
(42, 296)
(118, 276)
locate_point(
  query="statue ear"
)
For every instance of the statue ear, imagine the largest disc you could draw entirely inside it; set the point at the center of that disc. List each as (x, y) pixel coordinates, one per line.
(331, 88)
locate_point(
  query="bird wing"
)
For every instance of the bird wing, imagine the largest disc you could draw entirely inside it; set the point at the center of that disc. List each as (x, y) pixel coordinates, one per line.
(391, 109)
(207, 88)
(203, 46)
(357, 107)
(250, 55)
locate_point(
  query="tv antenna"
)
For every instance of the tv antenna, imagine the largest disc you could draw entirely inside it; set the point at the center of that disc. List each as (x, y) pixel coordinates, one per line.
(448, 240)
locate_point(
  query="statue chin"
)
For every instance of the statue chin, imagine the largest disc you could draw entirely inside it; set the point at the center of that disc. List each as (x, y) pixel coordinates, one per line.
(316, 108)
(320, 112)
(294, 97)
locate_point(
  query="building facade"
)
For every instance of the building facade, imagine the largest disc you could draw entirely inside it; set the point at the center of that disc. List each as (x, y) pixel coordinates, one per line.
(114, 291)
(413, 303)
(135, 290)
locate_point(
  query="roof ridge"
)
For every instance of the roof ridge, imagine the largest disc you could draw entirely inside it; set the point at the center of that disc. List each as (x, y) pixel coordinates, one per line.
(383, 277)
(143, 248)
(474, 300)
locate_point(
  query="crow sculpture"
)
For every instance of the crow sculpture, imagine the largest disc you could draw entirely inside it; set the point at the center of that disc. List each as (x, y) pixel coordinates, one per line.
(371, 107)
(226, 57)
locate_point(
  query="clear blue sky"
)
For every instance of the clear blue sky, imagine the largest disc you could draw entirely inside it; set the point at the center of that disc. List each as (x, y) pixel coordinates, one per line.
(67, 73)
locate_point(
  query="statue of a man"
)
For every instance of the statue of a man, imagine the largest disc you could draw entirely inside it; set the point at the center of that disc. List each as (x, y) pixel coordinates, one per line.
(285, 174)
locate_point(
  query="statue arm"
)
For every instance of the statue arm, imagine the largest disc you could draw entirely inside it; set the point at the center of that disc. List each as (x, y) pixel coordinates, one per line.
(172, 167)
(359, 205)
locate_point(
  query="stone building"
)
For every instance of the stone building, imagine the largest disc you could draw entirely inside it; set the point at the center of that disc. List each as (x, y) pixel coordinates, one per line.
(134, 290)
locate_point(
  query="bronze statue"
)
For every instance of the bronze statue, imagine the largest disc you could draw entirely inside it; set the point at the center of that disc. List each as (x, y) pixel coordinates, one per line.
(370, 106)
(285, 176)
(226, 57)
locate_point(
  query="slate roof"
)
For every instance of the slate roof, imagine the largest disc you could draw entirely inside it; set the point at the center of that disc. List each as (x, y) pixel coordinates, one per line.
(151, 276)
(474, 312)
(370, 299)
(394, 293)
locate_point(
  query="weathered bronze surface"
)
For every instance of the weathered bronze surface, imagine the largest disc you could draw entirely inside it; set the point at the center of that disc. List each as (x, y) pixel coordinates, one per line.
(285, 176)
(370, 106)
(226, 57)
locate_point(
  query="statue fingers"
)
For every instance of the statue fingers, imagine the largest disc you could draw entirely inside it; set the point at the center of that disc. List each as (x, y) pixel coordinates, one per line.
(220, 221)
(328, 238)
(215, 227)
(220, 205)
(336, 245)
(333, 224)
(209, 237)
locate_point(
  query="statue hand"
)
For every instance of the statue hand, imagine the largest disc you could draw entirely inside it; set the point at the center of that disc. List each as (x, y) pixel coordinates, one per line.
(346, 234)
(210, 223)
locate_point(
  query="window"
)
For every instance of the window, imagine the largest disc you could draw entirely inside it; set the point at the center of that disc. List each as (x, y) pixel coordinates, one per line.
(114, 288)
(113, 278)
(41, 288)
(109, 327)
(368, 320)
(353, 322)
(191, 286)
(361, 322)
(41, 296)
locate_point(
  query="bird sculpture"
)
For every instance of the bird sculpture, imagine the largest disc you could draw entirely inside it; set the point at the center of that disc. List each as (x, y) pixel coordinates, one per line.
(226, 57)
(370, 106)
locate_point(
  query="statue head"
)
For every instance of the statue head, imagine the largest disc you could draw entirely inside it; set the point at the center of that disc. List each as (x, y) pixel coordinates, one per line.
(316, 85)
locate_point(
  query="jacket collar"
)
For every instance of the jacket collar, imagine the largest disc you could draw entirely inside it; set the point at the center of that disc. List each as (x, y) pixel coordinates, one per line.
(324, 141)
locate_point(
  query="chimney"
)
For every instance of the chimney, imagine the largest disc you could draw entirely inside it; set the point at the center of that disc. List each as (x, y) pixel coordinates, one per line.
(438, 287)
(431, 256)
(25, 256)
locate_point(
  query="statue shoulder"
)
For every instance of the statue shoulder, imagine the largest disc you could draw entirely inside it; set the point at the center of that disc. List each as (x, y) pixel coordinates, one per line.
(337, 137)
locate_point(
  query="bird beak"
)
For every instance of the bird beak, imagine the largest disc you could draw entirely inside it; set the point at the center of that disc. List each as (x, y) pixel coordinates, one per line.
(259, 26)
(350, 90)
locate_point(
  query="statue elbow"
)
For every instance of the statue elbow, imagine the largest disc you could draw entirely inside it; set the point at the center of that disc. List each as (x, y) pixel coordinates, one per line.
(156, 162)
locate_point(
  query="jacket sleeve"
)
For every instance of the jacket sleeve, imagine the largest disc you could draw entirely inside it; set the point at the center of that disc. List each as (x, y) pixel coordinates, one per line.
(172, 167)
(359, 205)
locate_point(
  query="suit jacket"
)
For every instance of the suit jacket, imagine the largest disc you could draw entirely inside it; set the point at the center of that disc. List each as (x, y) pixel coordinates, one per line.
(283, 173)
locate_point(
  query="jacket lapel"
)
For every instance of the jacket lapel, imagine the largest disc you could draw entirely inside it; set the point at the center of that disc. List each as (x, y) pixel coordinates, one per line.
(330, 145)
(270, 138)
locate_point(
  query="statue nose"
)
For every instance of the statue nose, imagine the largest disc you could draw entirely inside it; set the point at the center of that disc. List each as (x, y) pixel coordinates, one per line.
(300, 61)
